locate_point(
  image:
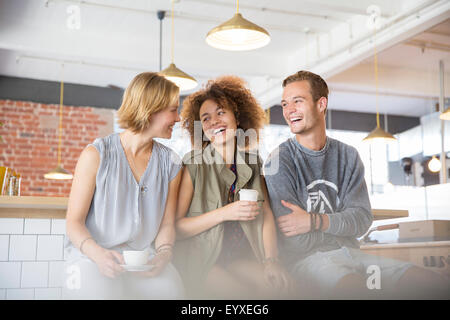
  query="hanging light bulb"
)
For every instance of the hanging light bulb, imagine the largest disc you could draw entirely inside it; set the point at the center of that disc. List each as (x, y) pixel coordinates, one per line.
(389, 187)
(378, 133)
(238, 34)
(434, 165)
(445, 115)
(172, 73)
(59, 173)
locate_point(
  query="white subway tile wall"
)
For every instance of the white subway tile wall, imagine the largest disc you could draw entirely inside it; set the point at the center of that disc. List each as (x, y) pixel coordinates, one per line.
(11, 226)
(47, 294)
(50, 247)
(37, 226)
(56, 273)
(22, 247)
(20, 294)
(58, 226)
(31, 258)
(34, 275)
(10, 274)
(4, 247)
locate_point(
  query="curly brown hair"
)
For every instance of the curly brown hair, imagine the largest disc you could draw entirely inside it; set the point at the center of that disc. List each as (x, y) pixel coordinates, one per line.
(229, 92)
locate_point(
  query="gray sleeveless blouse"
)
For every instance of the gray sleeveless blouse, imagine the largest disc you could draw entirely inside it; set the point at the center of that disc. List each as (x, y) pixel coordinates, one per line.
(124, 212)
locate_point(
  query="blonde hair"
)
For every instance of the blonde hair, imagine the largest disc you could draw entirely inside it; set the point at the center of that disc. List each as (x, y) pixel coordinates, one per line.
(147, 94)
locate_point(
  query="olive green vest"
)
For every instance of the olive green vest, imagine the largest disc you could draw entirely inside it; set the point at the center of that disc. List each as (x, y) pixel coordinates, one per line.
(195, 256)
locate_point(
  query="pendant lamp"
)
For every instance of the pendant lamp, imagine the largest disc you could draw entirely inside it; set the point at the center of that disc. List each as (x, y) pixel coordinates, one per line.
(434, 165)
(238, 34)
(172, 73)
(378, 133)
(445, 115)
(59, 173)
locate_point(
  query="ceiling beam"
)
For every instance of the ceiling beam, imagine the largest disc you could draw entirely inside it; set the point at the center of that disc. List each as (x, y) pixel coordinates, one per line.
(203, 18)
(271, 10)
(429, 45)
(437, 33)
(352, 51)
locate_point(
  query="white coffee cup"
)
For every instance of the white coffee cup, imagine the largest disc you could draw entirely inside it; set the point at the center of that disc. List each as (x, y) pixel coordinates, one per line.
(248, 195)
(135, 258)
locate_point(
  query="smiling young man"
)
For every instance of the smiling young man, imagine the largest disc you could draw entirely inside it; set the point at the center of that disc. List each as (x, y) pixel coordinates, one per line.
(319, 197)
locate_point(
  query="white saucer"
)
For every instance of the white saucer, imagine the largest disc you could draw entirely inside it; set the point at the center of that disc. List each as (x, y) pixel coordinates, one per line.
(145, 267)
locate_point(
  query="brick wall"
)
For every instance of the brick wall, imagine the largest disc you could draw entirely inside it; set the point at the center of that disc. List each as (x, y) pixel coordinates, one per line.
(30, 141)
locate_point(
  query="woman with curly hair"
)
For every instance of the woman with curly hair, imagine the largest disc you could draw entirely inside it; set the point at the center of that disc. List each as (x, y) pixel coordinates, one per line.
(226, 247)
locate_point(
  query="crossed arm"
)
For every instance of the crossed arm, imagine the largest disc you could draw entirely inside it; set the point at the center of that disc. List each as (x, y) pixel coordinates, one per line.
(351, 219)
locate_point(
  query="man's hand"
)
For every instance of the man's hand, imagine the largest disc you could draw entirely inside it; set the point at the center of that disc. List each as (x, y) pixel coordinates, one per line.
(295, 223)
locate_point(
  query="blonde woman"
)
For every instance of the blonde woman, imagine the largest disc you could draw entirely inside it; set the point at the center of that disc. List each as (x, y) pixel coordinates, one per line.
(123, 197)
(227, 248)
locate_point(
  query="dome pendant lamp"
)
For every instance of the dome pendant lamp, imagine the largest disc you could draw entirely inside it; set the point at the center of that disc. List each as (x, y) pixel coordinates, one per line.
(59, 173)
(445, 115)
(172, 73)
(238, 34)
(378, 133)
(434, 165)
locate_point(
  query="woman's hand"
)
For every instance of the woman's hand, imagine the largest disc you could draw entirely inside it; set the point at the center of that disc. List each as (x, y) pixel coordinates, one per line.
(159, 262)
(240, 211)
(275, 276)
(108, 262)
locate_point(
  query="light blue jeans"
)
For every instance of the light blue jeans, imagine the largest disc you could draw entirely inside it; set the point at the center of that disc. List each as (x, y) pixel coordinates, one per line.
(321, 271)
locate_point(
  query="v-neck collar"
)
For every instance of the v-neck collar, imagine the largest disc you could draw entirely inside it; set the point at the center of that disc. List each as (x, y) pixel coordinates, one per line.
(244, 172)
(130, 171)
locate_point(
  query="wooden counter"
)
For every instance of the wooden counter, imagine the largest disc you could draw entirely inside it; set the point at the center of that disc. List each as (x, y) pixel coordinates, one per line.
(380, 214)
(432, 255)
(33, 207)
(55, 207)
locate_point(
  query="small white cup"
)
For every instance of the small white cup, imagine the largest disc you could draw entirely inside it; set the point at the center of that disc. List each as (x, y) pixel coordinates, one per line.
(135, 258)
(248, 195)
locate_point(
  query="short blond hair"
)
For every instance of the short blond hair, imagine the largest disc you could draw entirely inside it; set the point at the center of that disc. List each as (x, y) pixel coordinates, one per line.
(148, 93)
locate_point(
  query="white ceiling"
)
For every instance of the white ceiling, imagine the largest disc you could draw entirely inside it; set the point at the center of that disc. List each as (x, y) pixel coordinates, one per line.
(408, 77)
(118, 39)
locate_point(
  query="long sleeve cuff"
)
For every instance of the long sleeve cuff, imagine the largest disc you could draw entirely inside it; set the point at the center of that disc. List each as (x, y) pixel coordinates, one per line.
(332, 225)
(345, 224)
(341, 225)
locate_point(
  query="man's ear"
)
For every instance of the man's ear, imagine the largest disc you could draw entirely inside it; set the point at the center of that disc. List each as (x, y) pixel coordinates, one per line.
(322, 104)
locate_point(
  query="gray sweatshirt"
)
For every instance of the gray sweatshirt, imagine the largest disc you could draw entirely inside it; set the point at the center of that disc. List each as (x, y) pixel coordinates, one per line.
(329, 181)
